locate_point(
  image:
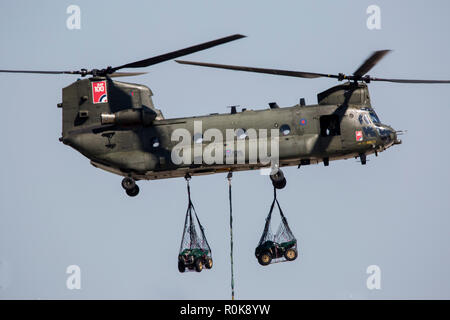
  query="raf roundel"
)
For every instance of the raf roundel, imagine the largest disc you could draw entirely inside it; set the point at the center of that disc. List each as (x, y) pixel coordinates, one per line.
(303, 122)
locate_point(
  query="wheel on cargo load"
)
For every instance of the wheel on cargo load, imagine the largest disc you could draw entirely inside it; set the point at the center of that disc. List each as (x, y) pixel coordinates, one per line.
(265, 258)
(290, 254)
(181, 266)
(208, 263)
(198, 265)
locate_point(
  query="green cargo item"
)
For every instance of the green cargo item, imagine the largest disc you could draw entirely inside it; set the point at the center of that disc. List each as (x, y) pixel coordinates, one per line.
(195, 252)
(282, 244)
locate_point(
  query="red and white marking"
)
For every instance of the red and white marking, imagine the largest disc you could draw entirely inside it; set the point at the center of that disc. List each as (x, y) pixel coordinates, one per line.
(99, 92)
(359, 135)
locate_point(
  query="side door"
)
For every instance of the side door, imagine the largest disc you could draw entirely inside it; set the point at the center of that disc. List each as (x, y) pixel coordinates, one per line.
(330, 133)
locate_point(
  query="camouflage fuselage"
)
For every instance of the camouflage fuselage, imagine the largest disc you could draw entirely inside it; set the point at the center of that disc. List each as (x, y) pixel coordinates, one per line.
(343, 125)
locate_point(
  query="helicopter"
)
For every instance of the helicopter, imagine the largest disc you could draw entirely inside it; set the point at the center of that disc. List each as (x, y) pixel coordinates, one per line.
(118, 128)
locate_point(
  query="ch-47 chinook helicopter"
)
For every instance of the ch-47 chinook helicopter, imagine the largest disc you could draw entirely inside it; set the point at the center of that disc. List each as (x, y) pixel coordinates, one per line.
(117, 127)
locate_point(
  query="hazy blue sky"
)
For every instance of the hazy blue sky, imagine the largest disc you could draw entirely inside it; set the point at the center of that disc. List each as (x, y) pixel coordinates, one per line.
(57, 210)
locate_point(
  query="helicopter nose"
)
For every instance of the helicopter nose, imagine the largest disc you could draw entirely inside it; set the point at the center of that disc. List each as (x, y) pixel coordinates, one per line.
(390, 136)
(395, 139)
(393, 135)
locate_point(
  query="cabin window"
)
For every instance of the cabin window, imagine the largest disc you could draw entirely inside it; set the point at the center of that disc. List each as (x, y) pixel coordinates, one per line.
(285, 130)
(198, 138)
(155, 142)
(330, 126)
(241, 133)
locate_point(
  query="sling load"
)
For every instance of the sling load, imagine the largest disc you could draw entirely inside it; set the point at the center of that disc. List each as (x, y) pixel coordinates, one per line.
(195, 252)
(278, 247)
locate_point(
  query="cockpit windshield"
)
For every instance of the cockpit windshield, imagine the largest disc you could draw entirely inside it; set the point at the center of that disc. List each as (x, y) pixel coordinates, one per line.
(367, 116)
(374, 117)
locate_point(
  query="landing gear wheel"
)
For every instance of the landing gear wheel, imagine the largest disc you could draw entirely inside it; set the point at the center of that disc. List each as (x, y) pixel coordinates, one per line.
(128, 183)
(208, 263)
(133, 192)
(290, 254)
(181, 266)
(278, 179)
(363, 158)
(198, 265)
(265, 259)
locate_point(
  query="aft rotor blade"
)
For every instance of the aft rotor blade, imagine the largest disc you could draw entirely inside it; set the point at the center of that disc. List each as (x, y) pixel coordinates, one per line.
(298, 74)
(179, 53)
(370, 62)
(409, 80)
(38, 72)
(126, 74)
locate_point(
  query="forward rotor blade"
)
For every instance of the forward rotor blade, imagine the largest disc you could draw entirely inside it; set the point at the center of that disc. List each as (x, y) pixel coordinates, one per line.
(298, 74)
(409, 80)
(370, 62)
(126, 74)
(179, 53)
(38, 72)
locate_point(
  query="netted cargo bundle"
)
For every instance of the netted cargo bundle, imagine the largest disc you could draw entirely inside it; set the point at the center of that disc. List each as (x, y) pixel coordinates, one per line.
(281, 246)
(195, 252)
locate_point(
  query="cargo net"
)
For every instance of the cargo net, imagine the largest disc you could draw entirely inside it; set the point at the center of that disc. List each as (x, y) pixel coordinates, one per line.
(278, 247)
(195, 253)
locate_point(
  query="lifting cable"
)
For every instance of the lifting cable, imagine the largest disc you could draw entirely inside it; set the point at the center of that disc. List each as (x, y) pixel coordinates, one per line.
(229, 176)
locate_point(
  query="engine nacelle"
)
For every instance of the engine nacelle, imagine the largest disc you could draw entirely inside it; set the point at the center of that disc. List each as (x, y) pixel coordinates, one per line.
(129, 117)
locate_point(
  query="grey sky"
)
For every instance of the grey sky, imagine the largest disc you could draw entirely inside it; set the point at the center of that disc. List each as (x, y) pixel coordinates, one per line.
(57, 210)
